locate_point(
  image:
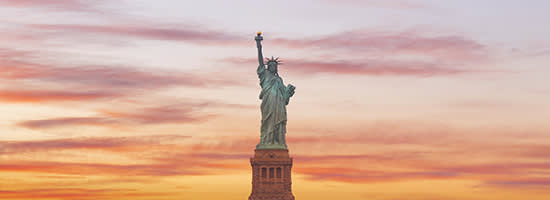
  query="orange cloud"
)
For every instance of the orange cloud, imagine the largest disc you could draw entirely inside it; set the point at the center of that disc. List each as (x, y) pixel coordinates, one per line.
(67, 121)
(166, 155)
(154, 169)
(521, 182)
(114, 144)
(76, 193)
(354, 175)
(438, 155)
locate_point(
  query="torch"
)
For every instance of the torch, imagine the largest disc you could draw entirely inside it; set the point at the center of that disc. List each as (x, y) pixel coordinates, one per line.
(259, 39)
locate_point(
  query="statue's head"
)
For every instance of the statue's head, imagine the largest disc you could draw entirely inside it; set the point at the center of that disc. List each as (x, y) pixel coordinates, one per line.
(272, 64)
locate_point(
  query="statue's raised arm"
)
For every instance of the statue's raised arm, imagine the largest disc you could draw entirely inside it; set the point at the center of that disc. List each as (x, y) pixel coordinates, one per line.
(261, 66)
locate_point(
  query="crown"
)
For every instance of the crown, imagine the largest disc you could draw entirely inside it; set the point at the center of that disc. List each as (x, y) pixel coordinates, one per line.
(275, 60)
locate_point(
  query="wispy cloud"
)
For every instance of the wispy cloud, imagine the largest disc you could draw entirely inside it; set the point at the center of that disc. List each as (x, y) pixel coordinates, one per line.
(41, 96)
(354, 175)
(381, 53)
(157, 157)
(107, 76)
(177, 113)
(58, 5)
(67, 121)
(168, 156)
(525, 182)
(393, 43)
(114, 144)
(74, 82)
(371, 67)
(400, 4)
(185, 33)
(154, 169)
(77, 193)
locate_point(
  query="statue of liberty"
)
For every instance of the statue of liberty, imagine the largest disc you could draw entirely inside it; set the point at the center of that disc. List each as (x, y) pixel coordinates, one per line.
(275, 96)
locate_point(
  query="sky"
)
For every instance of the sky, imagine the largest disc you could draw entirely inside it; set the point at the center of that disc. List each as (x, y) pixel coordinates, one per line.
(158, 100)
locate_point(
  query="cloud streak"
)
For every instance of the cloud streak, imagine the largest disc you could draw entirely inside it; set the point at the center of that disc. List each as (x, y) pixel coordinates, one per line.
(168, 156)
(57, 5)
(530, 182)
(384, 4)
(108, 76)
(42, 96)
(184, 33)
(371, 67)
(114, 144)
(354, 175)
(160, 155)
(87, 82)
(364, 42)
(177, 113)
(76, 193)
(360, 43)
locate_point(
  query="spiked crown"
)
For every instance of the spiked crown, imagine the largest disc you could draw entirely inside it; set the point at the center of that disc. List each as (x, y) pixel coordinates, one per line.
(275, 60)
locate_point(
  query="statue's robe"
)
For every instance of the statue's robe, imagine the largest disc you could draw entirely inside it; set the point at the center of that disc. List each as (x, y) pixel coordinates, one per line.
(275, 96)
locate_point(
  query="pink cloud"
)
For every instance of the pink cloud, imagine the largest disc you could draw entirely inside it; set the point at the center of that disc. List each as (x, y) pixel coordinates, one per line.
(87, 82)
(109, 76)
(372, 67)
(356, 43)
(34, 65)
(185, 33)
(381, 3)
(176, 113)
(65, 5)
(40, 96)
(392, 43)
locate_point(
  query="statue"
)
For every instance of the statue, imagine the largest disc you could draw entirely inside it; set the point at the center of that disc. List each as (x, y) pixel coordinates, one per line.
(275, 96)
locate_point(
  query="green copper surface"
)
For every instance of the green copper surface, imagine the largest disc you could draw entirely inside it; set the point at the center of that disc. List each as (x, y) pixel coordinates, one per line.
(275, 96)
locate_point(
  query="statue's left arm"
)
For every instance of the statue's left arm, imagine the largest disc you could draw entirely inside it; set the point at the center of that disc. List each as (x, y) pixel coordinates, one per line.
(289, 92)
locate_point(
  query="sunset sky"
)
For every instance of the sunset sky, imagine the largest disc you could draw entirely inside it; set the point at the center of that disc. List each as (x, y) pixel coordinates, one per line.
(158, 99)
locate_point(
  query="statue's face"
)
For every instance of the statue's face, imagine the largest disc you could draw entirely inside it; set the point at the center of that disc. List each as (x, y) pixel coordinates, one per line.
(272, 67)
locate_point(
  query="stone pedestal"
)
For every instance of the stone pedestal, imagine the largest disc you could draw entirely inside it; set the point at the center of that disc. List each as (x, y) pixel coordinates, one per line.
(271, 170)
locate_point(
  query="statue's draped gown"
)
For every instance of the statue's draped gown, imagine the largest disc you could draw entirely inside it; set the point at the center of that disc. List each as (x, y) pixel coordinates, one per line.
(275, 97)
